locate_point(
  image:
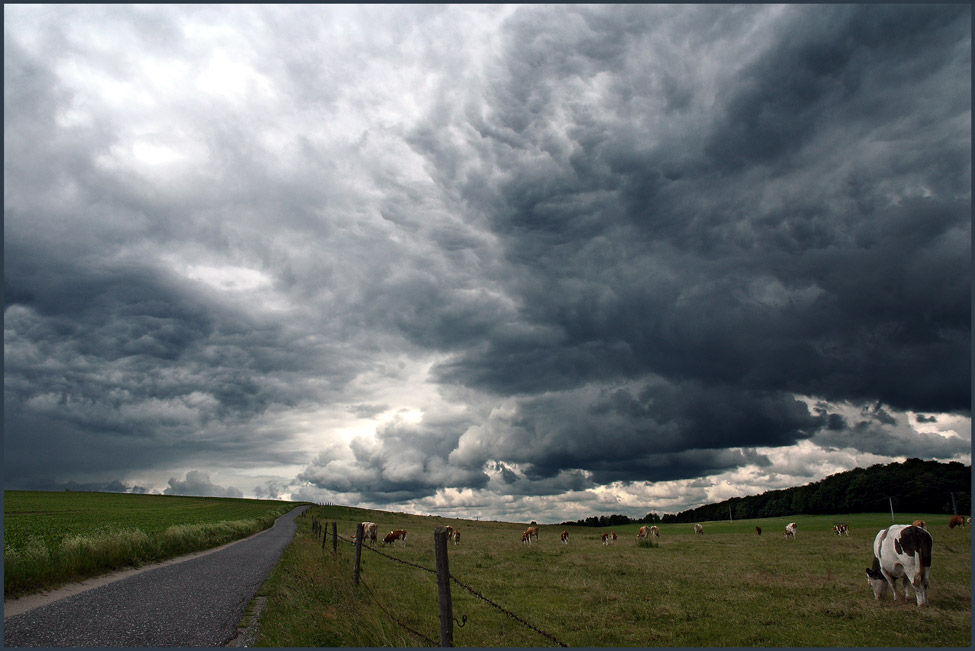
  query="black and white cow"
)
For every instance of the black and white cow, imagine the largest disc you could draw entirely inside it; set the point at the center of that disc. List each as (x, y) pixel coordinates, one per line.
(901, 551)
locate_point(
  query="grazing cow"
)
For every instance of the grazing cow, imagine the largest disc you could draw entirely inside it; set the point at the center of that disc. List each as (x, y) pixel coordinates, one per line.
(841, 529)
(605, 538)
(450, 532)
(644, 532)
(655, 532)
(565, 537)
(369, 530)
(920, 523)
(393, 536)
(758, 530)
(612, 536)
(456, 537)
(699, 529)
(791, 530)
(530, 532)
(956, 521)
(901, 550)
(968, 520)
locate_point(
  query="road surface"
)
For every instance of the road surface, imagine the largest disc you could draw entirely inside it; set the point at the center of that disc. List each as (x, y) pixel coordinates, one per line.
(195, 603)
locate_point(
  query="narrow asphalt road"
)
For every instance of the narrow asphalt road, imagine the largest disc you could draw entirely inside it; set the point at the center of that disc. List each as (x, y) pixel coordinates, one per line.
(196, 603)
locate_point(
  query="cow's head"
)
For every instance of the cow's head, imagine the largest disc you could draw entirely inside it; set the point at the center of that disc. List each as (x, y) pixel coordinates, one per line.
(876, 580)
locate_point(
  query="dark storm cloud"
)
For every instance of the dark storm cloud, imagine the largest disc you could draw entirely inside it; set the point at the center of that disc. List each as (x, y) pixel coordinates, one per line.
(749, 250)
(662, 432)
(625, 236)
(714, 254)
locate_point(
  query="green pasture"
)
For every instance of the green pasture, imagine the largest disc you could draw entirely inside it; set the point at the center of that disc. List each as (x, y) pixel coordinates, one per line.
(729, 587)
(50, 538)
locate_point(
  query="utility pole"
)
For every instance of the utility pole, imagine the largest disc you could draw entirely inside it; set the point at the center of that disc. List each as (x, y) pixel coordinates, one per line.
(730, 517)
(954, 507)
(891, 508)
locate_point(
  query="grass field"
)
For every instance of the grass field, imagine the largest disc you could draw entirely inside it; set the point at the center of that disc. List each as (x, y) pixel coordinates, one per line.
(50, 538)
(729, 587)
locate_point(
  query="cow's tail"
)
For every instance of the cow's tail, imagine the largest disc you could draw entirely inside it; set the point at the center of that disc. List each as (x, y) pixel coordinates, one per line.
(921, 560)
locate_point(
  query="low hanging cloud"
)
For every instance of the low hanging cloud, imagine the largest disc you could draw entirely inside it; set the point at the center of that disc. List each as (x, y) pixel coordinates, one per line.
(198, 482)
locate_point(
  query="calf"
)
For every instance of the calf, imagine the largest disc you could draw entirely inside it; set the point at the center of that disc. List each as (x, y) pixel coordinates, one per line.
(956, 521)
(901, 551)
(565, 537)
(655, 532)
(758, 530)
(920, 523)
(699, 529)
(791, 530)
(393, 536)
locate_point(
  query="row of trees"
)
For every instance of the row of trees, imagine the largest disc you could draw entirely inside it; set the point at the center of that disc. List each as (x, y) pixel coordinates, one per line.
(614, 520)
(914, 486)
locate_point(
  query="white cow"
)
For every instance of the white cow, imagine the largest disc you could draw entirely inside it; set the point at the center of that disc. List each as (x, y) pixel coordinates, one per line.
(699, 529)
(791, 530)
(901, 551)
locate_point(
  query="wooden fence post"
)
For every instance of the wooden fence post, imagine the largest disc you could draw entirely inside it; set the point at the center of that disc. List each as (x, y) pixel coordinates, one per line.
(335, 540)
(443, 587)
(358, 554)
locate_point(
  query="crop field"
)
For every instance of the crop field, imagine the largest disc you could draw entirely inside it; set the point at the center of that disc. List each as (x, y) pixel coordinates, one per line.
(729, 587)
(54, 537)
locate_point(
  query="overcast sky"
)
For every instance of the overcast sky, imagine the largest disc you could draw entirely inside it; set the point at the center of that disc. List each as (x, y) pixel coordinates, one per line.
(523, 262)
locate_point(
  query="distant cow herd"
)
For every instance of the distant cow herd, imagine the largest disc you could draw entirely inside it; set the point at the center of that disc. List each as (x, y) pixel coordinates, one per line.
(901, 552)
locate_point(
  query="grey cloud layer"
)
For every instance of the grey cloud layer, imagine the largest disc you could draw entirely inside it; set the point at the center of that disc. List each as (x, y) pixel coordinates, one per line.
(642, 230)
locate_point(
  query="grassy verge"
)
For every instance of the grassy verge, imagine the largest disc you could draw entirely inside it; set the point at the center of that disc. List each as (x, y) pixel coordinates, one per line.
(729, 587)
(47, 548)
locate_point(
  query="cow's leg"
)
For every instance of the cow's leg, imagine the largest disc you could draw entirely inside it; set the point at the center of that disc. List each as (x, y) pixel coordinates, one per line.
(892, 581)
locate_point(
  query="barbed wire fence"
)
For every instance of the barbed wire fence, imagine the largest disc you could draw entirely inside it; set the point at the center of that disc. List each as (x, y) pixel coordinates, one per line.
(444, 579)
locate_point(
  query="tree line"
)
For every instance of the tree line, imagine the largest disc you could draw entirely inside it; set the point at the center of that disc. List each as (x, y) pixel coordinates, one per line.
(913, 486)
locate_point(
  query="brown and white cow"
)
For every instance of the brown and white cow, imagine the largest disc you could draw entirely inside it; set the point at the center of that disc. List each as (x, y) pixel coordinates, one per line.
(605, 538)
(758, 530)
(393, 536)
(901, 551)
(530, 532)
(655, 532)
(841, 529)
(791, 530)
(612, 536)
(644, 532)
(369, 532)
(699, 529)
(565, 537)
(456, 536)
(956, 521)
(920, 523)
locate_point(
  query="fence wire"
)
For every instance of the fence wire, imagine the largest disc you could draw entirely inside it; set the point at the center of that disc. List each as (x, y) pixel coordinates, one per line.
(461, 584)
(392, 558)
(506, 612)
(375, 600)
